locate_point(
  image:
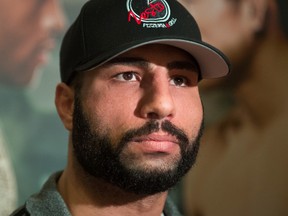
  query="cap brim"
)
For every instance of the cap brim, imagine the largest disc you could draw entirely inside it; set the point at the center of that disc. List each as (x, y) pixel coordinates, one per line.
(212, 62)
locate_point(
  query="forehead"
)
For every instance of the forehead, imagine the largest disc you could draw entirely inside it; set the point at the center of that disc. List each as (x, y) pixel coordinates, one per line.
(15, 5)
(200, 8)
(16, 10)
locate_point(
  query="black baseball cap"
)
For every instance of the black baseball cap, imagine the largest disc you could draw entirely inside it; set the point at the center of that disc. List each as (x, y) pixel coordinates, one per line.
(107, 28)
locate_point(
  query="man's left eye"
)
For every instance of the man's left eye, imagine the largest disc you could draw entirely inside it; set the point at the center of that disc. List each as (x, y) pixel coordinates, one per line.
(126, 76)
(179, 81)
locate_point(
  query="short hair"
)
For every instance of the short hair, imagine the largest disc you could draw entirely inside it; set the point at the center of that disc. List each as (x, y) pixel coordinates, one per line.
(77, 84)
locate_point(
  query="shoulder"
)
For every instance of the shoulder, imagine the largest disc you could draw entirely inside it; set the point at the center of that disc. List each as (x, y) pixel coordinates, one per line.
(21, 211)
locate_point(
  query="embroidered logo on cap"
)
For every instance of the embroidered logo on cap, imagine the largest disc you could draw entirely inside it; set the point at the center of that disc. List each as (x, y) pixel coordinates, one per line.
(150, 13)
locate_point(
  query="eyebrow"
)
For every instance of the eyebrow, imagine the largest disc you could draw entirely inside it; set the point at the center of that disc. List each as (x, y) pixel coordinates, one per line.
(129, 61)
(140, 62)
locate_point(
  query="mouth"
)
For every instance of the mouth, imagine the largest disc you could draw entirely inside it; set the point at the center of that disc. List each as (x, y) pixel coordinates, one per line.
(156, 143)
(42, 53)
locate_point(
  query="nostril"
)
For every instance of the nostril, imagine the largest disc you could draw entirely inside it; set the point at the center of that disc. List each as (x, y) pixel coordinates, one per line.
(152, 115)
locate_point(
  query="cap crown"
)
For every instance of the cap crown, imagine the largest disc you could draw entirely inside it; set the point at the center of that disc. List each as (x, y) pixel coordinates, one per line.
(107, 28)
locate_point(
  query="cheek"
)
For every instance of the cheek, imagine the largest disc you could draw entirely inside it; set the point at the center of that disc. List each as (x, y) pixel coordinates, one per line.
(112, 108)
(189, 114)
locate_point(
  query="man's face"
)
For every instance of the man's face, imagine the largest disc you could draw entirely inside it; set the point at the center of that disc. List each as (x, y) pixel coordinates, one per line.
(26, 37)
(137, 120)
(226, 24)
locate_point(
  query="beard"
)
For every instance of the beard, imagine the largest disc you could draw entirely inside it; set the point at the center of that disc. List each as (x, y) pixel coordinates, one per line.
(101, 158)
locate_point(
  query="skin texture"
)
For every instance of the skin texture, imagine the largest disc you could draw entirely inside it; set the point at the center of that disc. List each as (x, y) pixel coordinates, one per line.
(241, 168)
(118, 100)
(27, 35)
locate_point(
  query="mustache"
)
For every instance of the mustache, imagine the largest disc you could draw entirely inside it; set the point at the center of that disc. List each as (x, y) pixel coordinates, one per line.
(154, 126)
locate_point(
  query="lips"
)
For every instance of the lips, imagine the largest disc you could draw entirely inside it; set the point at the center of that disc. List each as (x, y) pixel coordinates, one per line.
(43, 50)
(157, 143)
(156, 138)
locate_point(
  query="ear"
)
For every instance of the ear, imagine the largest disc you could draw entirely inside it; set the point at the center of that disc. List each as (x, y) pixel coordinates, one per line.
(255, 12)
(64, 101)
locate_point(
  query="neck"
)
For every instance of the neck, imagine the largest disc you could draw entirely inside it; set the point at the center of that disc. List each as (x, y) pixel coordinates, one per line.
(87, 195)
(263, 93)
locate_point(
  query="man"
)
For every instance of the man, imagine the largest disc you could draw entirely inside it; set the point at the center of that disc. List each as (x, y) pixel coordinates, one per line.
(242, 163)
(27, 35)
(130, 101)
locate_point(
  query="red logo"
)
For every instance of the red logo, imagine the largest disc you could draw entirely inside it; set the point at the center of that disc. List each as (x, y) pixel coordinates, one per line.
(149, 11)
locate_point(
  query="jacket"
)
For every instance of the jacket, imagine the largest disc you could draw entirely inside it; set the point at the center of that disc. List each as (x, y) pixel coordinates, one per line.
(49, 202)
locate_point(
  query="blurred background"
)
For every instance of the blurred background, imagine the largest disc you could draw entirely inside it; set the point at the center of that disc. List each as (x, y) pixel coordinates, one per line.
(242, 163)
(33, 142)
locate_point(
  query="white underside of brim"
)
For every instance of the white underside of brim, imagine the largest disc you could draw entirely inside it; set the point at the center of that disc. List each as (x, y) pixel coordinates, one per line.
(212, 64)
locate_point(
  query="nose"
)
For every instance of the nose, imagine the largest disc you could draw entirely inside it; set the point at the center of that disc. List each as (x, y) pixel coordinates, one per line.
(157, 101)
(54, 20)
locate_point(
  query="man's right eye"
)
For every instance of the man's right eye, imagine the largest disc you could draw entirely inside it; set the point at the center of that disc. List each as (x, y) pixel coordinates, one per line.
(179, 81)
(127, 76)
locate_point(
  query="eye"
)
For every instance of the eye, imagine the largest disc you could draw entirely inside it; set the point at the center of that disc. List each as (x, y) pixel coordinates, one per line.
(179, 81)
(127, 76)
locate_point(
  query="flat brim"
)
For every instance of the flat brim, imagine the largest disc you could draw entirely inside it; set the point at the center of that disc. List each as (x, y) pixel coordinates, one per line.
(212, 62)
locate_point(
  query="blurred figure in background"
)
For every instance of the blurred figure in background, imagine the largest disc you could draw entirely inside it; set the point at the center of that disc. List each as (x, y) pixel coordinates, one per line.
(27, 35)
(242, 164)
